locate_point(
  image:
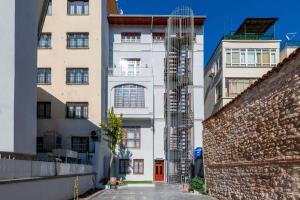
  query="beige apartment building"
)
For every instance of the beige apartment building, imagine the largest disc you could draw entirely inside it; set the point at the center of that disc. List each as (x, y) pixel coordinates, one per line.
(239, 60)
(71, 78)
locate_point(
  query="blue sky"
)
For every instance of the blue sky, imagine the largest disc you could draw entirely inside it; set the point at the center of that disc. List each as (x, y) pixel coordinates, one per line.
(225, 15)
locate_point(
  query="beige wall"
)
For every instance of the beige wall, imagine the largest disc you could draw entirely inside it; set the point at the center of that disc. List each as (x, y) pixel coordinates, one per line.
(59, 58)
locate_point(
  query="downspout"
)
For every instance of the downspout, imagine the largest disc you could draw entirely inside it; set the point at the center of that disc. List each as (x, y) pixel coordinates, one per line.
(153, 102)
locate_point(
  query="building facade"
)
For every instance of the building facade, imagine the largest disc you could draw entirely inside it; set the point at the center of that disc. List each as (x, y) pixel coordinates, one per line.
(136, 89)
(19, 20)
(71, 80)
(288, 47)
(240, 58)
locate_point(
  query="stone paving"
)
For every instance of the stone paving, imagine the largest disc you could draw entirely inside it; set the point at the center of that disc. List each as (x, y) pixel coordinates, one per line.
(160, 192)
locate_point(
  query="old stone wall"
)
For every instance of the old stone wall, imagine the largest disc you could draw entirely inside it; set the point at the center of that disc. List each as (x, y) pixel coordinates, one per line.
(252, 145)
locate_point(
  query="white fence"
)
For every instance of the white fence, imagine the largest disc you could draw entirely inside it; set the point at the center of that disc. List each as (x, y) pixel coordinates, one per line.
(15, 169)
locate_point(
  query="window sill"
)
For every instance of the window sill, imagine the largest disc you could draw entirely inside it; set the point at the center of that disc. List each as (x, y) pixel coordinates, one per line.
(44, 83)
(77, 84)
(79, 48)
(44, 48)
(44, 118)
(72, 15)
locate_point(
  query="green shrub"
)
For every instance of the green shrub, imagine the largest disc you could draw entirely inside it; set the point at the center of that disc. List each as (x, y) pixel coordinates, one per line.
(198, 184)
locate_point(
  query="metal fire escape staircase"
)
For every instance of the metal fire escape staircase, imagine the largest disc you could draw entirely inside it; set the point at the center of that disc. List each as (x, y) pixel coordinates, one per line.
(178, 111)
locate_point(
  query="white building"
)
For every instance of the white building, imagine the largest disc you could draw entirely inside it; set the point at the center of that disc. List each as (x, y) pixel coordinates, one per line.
(19, 24)
(239, 59)
(136, 89)
(288, 47)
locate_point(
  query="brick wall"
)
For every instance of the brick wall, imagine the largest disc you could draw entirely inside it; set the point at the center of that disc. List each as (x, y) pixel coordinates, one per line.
(252, 145)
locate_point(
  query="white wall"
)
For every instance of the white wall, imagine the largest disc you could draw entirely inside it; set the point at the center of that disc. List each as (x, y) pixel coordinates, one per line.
(152, 55)
(19, 28)
(15, 169)
(46, 189)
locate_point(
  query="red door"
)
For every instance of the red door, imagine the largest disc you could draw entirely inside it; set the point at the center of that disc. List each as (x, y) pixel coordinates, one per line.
(159, 170)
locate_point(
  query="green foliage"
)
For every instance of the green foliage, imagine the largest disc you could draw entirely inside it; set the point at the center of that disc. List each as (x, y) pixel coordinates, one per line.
(198, 184)
(75, 189)
(113, 129)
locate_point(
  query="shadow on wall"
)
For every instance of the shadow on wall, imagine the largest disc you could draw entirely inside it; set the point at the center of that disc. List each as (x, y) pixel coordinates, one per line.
(123, 153)
(59, 124)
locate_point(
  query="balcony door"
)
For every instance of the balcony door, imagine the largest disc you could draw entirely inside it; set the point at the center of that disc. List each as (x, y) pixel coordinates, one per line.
(130, 67)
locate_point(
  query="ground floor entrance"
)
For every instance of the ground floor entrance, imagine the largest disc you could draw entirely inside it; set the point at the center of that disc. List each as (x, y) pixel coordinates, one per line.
(159, 168)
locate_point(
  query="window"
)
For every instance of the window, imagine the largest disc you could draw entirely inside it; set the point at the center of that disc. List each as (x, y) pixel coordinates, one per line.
(138, 166)
(124, 166)
(218, 64)
(78, 7)
(44, 76)
(235, 86)
(44, 110)
(45, 41)
(129, 96)
(80, 144)
(77, 40)
(251, 57)
(158, 37)
(39, 144)
(131, 37)
(77, 76)
(130, 67)
(273, 57)
(235, 58)
(132, 137)
(49, 9)
(77, 110)
(219, 91)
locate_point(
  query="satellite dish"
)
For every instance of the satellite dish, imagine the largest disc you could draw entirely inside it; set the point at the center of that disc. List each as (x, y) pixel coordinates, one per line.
(290, 36)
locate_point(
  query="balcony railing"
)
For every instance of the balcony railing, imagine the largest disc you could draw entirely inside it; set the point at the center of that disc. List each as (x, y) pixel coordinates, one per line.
(79, 148)
(248, 36)
(120, 72)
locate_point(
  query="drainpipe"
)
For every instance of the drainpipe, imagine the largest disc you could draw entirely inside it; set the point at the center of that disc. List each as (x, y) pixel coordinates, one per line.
(153, 102)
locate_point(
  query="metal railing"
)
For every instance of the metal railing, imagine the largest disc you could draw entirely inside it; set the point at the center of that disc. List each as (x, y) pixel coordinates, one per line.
(248, 36)
(140, 71)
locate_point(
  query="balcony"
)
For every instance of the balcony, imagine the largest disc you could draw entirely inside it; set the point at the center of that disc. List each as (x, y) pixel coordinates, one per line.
(135, 72)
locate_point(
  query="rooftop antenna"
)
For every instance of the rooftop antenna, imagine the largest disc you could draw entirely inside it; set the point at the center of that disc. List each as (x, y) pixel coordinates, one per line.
(290, 36)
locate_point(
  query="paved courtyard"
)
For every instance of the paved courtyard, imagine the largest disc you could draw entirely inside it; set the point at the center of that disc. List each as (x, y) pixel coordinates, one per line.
(160, 192)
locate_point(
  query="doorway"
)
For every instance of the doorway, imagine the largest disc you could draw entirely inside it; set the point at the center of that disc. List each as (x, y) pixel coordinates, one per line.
(159, 170)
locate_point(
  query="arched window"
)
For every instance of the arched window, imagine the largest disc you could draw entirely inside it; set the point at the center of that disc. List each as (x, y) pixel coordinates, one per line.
(129, 96)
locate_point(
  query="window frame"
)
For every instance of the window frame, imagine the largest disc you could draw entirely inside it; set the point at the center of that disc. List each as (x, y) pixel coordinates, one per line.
(229, 93)
(82, 106)
(48, 42)
(45, 114)
(122, 96)
(137, 137)
(84, 71)
(75, 35)
(258, 54)
(127, 163)
(82, 7)
(139, 161)
(158, 34)
(45, 76)
(136, 37)
(219, 91)
(49, 12)
(79, 146)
